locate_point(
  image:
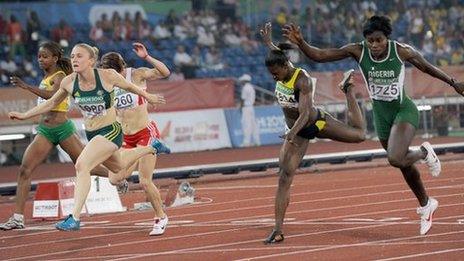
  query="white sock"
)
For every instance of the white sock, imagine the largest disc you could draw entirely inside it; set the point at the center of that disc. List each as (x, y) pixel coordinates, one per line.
(19, 217)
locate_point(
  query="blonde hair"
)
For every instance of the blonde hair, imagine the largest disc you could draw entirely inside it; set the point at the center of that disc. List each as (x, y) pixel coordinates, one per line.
(92, 50)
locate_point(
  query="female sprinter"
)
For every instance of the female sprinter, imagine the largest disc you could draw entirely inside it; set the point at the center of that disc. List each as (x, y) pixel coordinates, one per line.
(294, 92)
(92, 90)
(138, 130)
(396, 117)
(54, 127)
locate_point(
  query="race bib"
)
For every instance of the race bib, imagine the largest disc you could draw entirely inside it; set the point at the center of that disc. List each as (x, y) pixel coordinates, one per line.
(124, 100)
(92, 110)
(384, 92)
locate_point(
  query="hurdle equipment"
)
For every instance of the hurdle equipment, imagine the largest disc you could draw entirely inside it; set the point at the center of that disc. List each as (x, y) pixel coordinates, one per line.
(55, 199)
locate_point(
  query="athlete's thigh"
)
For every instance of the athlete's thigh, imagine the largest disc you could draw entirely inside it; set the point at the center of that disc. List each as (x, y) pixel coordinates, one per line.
(291, 154)
(98, 150)
(36, 152)
(401, 135)
(72, 146)
(339, 131)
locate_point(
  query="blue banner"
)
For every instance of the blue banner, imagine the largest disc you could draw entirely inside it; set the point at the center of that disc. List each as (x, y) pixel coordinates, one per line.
(270, 122)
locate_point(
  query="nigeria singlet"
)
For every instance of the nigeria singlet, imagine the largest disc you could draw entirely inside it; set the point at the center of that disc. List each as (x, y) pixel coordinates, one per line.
(385, 84)
(95, 103)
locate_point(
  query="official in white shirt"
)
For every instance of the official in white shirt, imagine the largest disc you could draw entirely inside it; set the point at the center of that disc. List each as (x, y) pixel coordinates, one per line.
(249, 124)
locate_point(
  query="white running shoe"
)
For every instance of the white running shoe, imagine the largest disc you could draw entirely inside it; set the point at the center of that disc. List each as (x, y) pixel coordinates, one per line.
(160, 226)
(432, 160)
(426, 213)
(12, 223)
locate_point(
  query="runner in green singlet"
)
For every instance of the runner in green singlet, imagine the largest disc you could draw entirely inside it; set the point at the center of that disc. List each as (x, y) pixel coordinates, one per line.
(381, 61)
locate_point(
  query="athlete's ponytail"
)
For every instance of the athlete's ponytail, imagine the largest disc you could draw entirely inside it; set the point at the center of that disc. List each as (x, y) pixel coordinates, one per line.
(278, 57)
(64, 64)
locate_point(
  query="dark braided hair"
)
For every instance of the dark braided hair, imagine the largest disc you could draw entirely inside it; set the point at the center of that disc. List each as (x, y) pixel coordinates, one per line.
(63, 63)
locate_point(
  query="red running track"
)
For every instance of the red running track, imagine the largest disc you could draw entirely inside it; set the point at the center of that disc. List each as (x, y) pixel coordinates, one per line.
(352, 214)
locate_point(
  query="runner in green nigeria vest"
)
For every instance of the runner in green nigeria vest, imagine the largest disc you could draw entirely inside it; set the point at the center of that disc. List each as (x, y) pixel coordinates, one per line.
(385, 85)
(395, 115)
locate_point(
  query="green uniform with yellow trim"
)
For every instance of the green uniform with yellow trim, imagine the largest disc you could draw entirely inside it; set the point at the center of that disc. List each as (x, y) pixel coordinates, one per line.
(63, 131)
(95, 103)
(288, 97)
(385, 84)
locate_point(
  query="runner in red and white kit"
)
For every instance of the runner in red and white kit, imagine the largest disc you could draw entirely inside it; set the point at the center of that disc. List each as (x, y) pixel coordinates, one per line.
(137, 128)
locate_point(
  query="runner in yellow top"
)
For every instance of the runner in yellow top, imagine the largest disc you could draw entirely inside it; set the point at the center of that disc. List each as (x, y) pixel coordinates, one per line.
(54, 127)
(295, 94)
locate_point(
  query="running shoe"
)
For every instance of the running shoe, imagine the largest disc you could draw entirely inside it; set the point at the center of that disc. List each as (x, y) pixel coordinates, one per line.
(432, 160)
(345, 83)
(12, 223)
(123, 187)
(160, 226)
(160, 147)
(274, 237)
(426, 214)
(68, 224)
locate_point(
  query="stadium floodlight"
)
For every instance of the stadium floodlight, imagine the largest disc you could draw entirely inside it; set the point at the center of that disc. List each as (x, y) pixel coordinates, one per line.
(12, 137)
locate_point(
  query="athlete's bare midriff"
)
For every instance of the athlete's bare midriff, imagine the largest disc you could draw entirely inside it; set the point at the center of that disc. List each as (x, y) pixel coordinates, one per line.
(133, 119)
(53, 118)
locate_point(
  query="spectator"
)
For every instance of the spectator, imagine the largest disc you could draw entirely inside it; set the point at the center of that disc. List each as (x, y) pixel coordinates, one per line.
(213, 60)
(106, 24)
(15, 38)
(441, 120)
(197, 58)
(183, 60)
(9, 66)
(249, 125)
(96, 33)
(63, 33)
(205, 37)
(177, 75)
(33, 28)
(161, 31)
(171, 20)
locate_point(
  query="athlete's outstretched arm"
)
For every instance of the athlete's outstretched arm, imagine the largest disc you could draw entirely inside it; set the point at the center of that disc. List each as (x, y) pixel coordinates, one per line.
(159, 70)
(305, 103)
(47, 106)
(115, 79)
(408, 53)
(266, 34)
(17, 82)
(293, 33)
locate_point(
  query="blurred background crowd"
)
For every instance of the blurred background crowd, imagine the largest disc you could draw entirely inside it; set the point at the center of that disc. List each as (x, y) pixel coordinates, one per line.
(221, 39)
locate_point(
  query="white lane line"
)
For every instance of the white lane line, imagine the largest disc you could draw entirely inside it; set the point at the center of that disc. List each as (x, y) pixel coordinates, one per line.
(334, 191)
(345, 246)
(424, 254)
